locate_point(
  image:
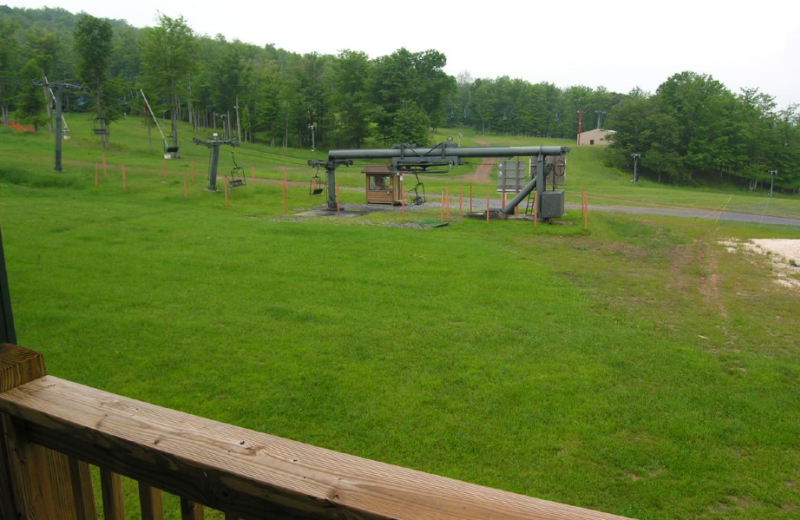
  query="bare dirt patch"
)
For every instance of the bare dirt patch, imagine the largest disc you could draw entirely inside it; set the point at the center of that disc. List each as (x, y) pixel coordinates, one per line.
(782, 253)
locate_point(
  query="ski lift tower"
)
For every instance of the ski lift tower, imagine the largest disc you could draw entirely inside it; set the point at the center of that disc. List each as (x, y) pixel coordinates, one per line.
(56, 88)
(214, 145)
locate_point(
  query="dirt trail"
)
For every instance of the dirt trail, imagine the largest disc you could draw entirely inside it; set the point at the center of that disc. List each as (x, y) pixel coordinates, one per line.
(484, 171)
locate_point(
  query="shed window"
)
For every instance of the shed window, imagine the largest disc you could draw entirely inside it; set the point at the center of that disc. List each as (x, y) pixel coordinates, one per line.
(380, 182)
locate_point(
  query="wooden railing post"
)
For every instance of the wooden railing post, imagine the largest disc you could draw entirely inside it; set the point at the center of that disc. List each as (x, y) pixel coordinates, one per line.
(36, 483)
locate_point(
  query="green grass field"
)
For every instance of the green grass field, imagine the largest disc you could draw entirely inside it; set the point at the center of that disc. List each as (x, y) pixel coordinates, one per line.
(635, 368)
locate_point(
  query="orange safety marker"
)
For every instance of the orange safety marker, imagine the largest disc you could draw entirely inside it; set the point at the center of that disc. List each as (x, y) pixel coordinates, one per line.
(447, 201)
(164, 161)
(124, 179)
(96, 174)
(185, 186)
(516, 208)
(504, 198)
(192, 172)
(105, 166)
(470, 197)
(487, 207)
(536, 208)
(585, 210)
(402, 198)
(460, 199)
(338, 200)
(253, 176)
(285, 211)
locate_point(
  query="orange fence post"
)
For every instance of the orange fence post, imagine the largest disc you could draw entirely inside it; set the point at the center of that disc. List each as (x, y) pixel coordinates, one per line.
(460, 199)
(470, 197)
(516, 208)
(105, 166)
(447, 201)
(124, 179)
(192, 172)
(504, 199)
(402, 198)
(585, 210)
(487, 207)
(185, 186)
(96, 174)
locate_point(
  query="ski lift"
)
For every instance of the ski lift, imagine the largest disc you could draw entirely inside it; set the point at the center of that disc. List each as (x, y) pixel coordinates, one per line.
(237, 174)
(101, 126)
(170, 149)
(418, 199)
(317, 185)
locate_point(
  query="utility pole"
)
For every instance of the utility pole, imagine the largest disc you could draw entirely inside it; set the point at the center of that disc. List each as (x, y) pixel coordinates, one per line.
(238, 124)
(312, 127)
(57, 88)
(580, 124)
(773, 173)
(636, 157)
(600, 114)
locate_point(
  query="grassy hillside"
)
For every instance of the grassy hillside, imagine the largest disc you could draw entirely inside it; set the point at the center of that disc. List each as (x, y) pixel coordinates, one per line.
(635, 368)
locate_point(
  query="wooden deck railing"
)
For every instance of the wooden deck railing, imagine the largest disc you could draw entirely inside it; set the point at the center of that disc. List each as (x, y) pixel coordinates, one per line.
(53, 429)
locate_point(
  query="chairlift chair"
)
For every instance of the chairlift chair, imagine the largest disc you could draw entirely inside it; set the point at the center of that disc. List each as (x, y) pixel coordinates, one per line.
(316, 186)
(418, 199)
(101, 126)
(237, 174)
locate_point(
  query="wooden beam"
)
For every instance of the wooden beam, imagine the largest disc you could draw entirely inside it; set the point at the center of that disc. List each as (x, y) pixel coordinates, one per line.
(248, 474)
(19, 365)
(43, 484)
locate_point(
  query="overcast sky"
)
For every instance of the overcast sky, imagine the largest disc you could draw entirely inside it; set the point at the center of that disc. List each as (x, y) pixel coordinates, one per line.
(618, 44)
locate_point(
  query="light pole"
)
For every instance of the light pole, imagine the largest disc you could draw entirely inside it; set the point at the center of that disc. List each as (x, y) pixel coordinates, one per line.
(773, 173)
(313, 127)
(636, 157)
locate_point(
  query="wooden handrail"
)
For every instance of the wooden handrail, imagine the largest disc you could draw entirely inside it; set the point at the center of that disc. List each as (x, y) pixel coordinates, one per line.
(248, 474)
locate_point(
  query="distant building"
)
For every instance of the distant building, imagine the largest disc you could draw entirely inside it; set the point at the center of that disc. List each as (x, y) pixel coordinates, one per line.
(595, 137)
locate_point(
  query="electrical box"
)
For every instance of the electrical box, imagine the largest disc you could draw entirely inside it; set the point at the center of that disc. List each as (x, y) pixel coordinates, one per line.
(552, 204)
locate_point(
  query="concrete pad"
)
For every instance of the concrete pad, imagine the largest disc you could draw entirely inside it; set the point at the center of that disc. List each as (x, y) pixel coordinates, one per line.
(327, 213)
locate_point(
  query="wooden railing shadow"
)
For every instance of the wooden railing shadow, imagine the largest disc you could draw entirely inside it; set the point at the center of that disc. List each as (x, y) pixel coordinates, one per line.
(53, 429)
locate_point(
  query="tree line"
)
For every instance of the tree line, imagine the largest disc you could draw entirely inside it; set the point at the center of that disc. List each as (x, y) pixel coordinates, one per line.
(692, 129)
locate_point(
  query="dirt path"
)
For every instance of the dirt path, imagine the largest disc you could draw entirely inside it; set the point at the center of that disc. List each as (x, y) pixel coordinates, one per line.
(484, 171)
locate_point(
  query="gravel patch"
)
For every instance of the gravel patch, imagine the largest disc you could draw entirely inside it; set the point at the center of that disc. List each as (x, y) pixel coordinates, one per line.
(782, 253)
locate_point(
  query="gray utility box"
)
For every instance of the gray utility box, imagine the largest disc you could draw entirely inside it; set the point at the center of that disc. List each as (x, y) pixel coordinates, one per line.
(552, 204)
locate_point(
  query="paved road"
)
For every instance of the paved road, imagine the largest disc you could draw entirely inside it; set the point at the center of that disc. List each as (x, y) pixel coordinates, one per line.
(479, 205)
(695, 213)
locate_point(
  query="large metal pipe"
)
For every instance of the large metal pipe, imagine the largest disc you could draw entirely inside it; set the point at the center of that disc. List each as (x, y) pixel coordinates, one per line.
(509, 209)
(450, 151)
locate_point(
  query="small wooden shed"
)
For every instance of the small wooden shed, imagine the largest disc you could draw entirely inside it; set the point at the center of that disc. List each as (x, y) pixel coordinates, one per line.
(383, 185)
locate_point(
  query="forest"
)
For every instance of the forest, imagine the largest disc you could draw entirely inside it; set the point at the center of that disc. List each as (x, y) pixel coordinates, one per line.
(693, 129)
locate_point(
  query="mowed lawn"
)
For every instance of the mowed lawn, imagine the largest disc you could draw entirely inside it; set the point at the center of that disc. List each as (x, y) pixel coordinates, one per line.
(636, 368)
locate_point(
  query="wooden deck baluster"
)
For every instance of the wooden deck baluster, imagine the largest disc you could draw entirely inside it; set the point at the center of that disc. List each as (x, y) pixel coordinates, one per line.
(150, 502)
